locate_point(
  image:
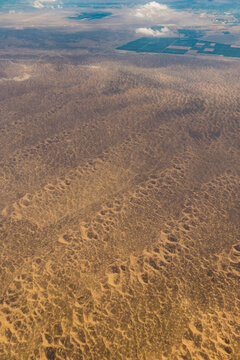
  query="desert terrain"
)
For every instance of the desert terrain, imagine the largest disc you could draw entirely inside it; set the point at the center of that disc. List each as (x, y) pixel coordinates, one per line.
(120, 211)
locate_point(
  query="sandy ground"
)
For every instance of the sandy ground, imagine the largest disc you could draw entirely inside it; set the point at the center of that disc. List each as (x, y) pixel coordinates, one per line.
(120, 211)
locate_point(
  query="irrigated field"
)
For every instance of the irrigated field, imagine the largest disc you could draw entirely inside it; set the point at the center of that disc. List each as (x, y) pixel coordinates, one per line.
(173, 45)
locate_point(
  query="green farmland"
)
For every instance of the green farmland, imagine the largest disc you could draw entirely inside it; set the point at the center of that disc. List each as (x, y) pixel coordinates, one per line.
(180, 46)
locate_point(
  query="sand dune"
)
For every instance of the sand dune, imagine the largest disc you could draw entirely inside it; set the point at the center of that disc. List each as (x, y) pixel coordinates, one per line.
(120, 212)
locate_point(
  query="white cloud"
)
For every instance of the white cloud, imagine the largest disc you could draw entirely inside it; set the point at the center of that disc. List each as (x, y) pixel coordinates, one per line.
(151, 10)
(141, 18)
(165, 31)
(39, 4)
(154, 13)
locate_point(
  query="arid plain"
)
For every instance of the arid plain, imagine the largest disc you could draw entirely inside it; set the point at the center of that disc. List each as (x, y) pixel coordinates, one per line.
(120, 212)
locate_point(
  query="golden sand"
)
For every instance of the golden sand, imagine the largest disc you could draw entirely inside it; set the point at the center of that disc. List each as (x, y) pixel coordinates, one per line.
(120, 212)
